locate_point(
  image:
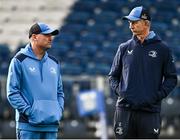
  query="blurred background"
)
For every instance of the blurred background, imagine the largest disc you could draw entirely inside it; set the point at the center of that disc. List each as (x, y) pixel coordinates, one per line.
(90, 33)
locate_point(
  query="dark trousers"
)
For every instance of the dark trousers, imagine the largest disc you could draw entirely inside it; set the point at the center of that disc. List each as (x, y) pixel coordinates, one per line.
(130, 124)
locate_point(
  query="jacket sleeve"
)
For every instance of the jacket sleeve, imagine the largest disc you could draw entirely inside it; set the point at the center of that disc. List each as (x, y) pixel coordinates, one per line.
(13, 87)
(115, 72)
(170, 77)
(60, 92)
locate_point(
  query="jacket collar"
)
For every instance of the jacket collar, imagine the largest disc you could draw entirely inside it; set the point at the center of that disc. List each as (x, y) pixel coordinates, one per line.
(152, 37)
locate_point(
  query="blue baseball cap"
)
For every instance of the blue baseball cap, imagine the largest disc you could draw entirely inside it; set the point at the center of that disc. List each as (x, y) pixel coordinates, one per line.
(138, 13)
(42, 28)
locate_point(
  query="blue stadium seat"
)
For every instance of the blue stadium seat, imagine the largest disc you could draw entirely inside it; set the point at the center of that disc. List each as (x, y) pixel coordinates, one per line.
(5, 56)
(98, 69)
(91, 37)
(85, 5)
(66, 37)
(106, 17)
(71, 69)
(4, 52)
(78, 17)
(99, 28)
(73, 27)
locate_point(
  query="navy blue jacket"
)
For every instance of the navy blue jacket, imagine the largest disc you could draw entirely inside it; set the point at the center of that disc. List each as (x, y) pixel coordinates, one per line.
(142, 74)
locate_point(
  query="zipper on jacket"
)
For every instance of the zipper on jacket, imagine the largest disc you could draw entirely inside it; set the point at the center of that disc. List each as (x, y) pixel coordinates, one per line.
(41, 69)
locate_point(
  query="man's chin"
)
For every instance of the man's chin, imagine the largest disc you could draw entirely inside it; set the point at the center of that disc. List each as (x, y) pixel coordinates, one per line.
(136, 34)
(47, 47)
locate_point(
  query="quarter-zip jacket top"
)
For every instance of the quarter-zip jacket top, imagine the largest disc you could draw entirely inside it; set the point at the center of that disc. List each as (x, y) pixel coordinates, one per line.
(142, 74)
(34, 89)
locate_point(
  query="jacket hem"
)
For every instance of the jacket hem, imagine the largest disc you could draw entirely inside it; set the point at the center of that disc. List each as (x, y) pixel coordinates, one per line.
(42, 128)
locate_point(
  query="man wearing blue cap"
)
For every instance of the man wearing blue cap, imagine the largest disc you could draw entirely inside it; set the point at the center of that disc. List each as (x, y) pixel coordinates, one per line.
(142, 74)
(34, 87)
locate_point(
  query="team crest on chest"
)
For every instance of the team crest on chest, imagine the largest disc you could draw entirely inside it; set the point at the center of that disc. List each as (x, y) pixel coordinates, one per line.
(53, 70)
(152, 53)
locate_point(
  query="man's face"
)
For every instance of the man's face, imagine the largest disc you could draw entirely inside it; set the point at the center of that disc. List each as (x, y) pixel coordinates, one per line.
(44, 41)
(138, 27)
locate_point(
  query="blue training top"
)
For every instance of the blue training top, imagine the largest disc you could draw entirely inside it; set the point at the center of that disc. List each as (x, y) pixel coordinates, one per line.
(34, 89)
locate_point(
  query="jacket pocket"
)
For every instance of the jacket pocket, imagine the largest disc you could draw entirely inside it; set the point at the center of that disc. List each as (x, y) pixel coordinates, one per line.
(45, 112)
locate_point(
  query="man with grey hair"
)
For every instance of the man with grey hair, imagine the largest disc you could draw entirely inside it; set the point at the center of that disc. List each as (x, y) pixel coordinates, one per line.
(142, 74)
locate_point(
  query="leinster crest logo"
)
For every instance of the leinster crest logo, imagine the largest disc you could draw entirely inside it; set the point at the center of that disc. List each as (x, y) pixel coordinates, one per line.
(119, 129)
(152, 54)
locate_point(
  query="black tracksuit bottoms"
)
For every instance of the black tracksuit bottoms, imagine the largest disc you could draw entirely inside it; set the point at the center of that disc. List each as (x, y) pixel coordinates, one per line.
(130, 124)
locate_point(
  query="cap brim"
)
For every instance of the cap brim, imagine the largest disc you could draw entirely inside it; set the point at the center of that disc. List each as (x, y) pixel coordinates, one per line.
(131, 18)
(52, 32)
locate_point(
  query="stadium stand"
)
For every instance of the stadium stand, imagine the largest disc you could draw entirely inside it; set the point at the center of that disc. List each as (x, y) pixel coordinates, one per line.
(91, 31)
(17, 17)
(98, 22)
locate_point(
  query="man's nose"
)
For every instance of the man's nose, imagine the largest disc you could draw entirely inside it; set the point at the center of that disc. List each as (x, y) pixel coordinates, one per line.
(130, 25)
(50, 38)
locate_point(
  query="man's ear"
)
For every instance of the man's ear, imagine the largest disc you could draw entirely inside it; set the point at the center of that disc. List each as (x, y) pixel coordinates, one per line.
(147, 23)
(34, 37)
